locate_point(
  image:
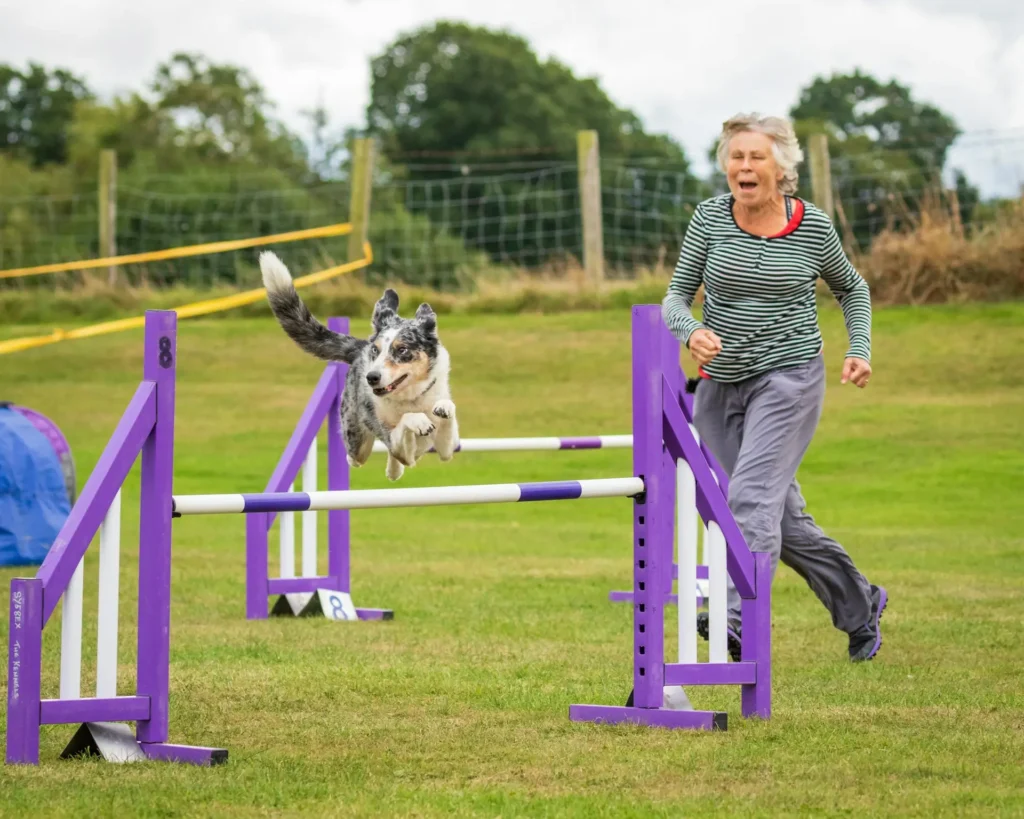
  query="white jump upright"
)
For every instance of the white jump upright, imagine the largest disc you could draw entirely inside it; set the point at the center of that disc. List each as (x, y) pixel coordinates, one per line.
(309, 541)
(109, 591)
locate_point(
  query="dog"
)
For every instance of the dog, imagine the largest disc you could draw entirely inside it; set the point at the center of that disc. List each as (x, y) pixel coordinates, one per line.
(396, 389)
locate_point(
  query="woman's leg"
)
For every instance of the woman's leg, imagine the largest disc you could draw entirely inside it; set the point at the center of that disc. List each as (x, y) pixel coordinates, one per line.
(778, 414)
(825, 565)
(759, 431)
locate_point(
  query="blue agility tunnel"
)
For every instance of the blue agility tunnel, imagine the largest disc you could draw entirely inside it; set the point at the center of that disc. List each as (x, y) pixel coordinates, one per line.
(37, 484)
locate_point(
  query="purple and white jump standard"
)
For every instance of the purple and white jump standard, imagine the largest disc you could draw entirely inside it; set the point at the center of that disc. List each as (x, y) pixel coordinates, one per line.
(146, 428)
(662, 438)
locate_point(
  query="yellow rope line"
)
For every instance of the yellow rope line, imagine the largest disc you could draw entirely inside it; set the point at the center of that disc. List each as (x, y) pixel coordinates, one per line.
(199, 308)
(180, 252)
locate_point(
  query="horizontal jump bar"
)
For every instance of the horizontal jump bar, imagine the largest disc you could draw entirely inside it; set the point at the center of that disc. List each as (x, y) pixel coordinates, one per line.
(533, 444)
(418, 496)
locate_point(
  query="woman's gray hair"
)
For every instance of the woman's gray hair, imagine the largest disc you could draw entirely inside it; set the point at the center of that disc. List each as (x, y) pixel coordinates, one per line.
(785, 146)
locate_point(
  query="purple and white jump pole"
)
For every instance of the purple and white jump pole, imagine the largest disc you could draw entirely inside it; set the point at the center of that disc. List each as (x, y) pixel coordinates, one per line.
(146, 428)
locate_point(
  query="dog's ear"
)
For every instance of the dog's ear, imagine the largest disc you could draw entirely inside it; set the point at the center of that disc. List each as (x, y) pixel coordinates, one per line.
(427, 318)
(386, 310)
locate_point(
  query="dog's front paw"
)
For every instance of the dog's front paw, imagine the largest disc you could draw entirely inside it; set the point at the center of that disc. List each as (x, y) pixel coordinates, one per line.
(394, 469)
(444, 409)
(418, 423)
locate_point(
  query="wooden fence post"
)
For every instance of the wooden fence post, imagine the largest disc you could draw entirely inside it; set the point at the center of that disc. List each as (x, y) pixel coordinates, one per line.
(107, 207)
(588, 160)
(359, 202)
(821, 174)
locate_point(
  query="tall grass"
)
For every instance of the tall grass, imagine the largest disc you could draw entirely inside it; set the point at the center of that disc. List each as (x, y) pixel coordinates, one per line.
(936, 259)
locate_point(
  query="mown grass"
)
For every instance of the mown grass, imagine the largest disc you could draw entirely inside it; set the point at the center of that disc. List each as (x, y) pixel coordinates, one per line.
(459, 706)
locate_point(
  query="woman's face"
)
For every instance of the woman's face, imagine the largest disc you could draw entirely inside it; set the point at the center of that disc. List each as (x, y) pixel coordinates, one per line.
(751, 169)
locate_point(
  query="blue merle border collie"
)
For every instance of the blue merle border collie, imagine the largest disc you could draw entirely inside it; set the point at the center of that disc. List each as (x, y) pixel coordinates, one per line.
(396, 390)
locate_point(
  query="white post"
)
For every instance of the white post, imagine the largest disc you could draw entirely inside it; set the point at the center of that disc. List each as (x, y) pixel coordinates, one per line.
(71, 636)
(309, 469)
(109, 589)
(288, 541)
(703, 586)
(686, 586)
(717, 609)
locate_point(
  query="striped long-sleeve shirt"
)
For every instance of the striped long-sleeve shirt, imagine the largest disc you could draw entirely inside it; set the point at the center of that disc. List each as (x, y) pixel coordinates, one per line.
(759, 293)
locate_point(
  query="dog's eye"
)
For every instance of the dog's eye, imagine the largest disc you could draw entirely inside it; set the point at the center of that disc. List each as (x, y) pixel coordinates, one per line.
(375, 350)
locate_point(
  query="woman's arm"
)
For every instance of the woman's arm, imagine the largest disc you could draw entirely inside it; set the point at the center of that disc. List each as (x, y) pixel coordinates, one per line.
(852, 293)
(686, 279)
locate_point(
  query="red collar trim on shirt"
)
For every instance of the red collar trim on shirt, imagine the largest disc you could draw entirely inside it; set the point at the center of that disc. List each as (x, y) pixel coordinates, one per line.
(794, 222)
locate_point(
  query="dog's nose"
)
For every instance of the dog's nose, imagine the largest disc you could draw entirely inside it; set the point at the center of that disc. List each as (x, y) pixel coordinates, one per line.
(373, 378)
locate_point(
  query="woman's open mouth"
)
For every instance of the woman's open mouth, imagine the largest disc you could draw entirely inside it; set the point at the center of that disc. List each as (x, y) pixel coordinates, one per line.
(747, 186)
(390, 387)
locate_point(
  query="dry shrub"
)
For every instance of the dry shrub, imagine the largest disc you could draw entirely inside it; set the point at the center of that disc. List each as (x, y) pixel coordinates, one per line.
(933, 259)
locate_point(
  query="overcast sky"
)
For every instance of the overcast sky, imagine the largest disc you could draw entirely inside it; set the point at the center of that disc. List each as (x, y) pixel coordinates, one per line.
(683, 66)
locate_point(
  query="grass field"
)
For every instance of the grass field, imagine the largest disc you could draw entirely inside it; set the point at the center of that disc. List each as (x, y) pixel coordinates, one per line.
(459, 706)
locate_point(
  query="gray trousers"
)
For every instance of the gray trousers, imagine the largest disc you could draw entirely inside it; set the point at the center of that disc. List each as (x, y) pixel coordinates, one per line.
(759, 430)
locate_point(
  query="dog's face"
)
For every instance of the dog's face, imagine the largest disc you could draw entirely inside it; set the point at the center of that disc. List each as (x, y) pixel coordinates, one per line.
(402, 352)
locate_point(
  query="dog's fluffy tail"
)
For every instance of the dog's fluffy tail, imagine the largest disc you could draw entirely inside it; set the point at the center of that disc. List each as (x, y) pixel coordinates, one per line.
(300, 325)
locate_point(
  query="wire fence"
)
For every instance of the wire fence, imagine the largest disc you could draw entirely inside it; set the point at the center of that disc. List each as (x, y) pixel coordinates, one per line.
(441, 222)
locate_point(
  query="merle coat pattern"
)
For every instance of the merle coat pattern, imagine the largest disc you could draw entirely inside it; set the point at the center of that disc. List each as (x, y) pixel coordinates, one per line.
(396, 390)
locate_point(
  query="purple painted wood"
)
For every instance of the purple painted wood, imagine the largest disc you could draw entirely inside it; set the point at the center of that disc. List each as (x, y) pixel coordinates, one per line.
(579, 443)
(338, 520)
(293, 585)
(550, 490)
(157, 479)
(24, 668)
(91, 709)
(256, 573)
(88, 512)
(756, 639)
(648, 622)
(375, 614)
(682, 445)
(295, 452)
(276, 502)
(709, 673)
(668, 363)
(189, 754)
(655, 717)
(686, 402)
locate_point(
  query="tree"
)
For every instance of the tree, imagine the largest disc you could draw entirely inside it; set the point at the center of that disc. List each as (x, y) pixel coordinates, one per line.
(886, 147)
(454, 89)
(36, 108)
(885, 114)
(223, 114)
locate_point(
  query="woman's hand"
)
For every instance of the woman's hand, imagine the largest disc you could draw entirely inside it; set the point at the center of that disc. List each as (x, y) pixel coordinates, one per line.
(704, 346)
(856, 370)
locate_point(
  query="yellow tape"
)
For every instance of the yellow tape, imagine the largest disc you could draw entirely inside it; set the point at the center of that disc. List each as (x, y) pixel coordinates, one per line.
(180, 252)
(199, 308)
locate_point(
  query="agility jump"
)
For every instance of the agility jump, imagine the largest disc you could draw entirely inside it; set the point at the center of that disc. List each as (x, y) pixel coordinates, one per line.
(661, 440)
(703, 576)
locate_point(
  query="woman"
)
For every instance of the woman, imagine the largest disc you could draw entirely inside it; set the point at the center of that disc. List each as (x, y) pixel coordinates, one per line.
(758, 251)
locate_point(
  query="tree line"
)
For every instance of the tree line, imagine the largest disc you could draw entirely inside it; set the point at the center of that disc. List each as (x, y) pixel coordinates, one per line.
(199, 134)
